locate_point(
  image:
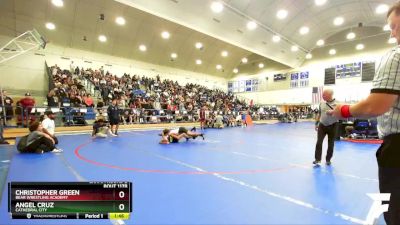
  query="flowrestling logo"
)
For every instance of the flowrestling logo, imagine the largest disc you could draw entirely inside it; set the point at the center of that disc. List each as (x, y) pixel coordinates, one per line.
(377, 207)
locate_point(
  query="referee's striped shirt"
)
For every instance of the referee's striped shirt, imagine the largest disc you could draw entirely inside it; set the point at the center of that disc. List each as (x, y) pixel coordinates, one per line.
(387, 80)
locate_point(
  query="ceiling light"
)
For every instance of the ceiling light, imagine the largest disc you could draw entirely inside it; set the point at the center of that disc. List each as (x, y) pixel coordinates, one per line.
(218, 67)
(276, 38)
(244, 60)
(320, 42)
(332, 52)
(282, 14)
(217, 7)
(198, 62)
(235, 70)
(142, 48)
(58, 3)
(295, 48)
(304, 30)
(261, 65)
(199, 45)
(120, 20)
(392, 40)
(224, 53)
(251, 25)
(102, 38)
(382, 8)
(50, 26)
(338, 21)
(308, 56)
(386, 27)
(351, 35)
(360, 47)
(165, 34)
(320, 2)
(174, 55)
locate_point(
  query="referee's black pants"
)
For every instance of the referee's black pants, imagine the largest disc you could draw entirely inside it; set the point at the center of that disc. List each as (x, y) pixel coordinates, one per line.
(388, 157)
(322, 132)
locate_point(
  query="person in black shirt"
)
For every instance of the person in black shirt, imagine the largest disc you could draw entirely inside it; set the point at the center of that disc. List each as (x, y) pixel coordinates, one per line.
(2, 141)
(52, 99)
(7, 105)
(113, 116)
(75, 101)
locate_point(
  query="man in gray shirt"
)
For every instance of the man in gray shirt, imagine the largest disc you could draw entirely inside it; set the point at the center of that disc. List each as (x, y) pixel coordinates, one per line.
(325, 125)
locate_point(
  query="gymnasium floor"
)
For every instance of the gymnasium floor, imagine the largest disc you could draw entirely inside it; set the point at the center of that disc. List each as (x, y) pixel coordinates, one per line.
(255, 175)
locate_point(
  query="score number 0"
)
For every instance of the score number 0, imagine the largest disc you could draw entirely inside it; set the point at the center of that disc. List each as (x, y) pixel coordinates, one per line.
(121, 206)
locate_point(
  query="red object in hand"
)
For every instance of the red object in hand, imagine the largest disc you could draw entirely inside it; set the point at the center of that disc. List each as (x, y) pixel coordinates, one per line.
(345, 111)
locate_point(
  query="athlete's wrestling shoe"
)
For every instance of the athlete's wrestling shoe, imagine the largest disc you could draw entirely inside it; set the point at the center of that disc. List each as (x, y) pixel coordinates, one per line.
(316, 163)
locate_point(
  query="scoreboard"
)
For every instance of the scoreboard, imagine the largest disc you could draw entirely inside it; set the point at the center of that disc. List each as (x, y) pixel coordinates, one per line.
(348, 70)
(70, 200)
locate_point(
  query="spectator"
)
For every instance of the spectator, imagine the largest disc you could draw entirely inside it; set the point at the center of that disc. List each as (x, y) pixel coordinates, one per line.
(54, 70)
(218, 122)
(72, 67)
(75, 101)
(77, 70)
(127, 117)
(27, 103)
(2, 141)
(88, 100)
(52, 99)
(149, 93)
(8, 101)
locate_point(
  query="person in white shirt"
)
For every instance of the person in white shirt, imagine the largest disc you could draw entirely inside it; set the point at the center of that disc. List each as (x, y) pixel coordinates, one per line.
(49, 126)
(72, 67)
(55, 70)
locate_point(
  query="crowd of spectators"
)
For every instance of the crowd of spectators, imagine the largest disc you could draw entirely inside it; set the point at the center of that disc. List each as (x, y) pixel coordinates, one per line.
(143, 99)
(68, 89)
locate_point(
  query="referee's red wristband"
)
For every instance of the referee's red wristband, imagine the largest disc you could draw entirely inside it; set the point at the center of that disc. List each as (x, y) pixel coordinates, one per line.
(345, 111)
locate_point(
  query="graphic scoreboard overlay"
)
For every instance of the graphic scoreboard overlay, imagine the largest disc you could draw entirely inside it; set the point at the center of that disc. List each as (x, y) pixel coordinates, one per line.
(70, 200)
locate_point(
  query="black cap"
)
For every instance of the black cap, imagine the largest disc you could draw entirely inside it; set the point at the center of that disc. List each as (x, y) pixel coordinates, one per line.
(49, 112)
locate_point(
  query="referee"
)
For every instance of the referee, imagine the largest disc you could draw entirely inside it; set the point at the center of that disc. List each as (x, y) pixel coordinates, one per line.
(325, 125)
(384, 102)
(113, 116)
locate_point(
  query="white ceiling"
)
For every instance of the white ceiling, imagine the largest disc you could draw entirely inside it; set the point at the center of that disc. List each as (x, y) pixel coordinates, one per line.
(230, 24)
(190, 21)
(78, 18)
